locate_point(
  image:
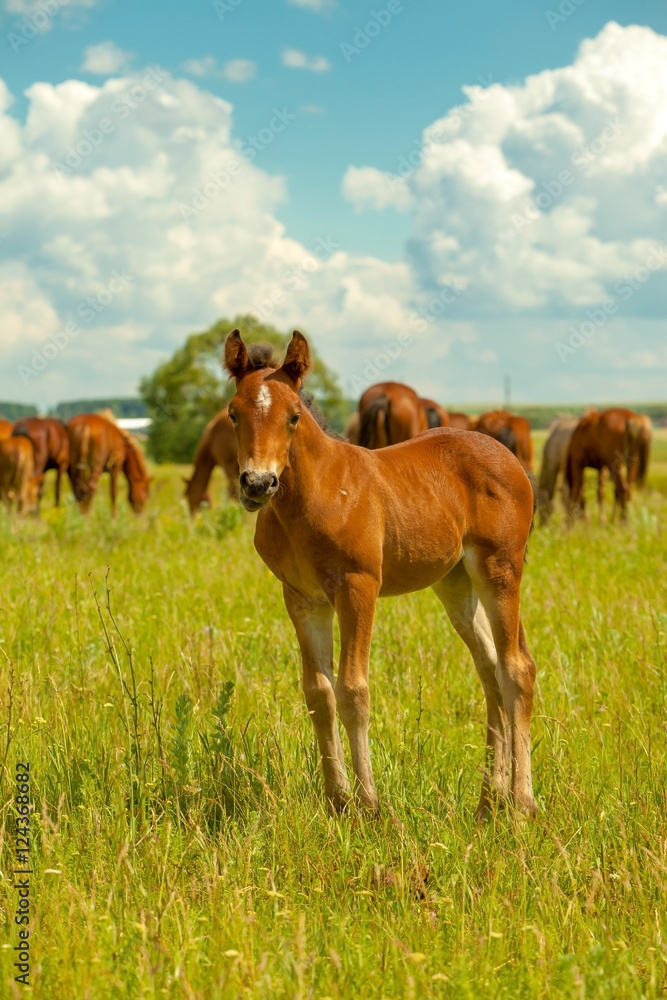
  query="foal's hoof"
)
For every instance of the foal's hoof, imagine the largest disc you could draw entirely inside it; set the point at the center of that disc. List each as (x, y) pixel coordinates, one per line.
(490, 804)
(520, 808)
(526, 808)
(338, 803)
(483, 814)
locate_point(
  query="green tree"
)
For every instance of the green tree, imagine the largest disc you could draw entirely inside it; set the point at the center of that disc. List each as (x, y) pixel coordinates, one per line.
(186, 391)
(14, 411)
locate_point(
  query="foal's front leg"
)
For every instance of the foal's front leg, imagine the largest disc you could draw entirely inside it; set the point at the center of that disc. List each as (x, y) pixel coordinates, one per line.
(314, 629)
(355, 606)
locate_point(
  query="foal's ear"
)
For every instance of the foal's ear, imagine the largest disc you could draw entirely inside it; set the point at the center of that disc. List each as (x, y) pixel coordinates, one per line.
(297, 359)
(236, 359)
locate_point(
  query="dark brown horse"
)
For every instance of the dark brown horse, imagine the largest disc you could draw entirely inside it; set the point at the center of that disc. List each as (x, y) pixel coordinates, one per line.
(340, 526)
(510, 430)
(99, 445)
(217, 446)
(51, 443)
(614, 440)
(554, 456)
(389, 413)
(436, 416)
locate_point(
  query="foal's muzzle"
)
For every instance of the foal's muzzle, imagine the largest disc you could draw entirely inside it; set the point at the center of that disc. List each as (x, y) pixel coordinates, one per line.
(257, 488)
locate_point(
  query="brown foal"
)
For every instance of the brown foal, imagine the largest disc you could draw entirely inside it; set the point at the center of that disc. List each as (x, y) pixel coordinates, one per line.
(340, 526)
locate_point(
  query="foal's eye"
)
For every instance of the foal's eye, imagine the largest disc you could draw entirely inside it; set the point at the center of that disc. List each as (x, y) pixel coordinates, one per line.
(294, 419)
(233, 417)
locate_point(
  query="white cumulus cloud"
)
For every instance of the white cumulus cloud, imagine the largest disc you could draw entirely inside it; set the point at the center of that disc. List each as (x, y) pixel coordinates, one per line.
(367, 187)
(105, 59)
(150, 224)
(318, 6)
(543, 194)
(296, 59)
(234, 70)
(128, 209)
(239, 70)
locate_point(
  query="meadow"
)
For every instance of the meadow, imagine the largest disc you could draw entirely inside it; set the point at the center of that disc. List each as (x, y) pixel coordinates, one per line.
(180, 843)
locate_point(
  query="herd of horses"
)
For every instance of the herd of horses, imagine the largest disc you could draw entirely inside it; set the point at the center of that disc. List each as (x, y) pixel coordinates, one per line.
(412, 496)
(85, 448)
(616, 440)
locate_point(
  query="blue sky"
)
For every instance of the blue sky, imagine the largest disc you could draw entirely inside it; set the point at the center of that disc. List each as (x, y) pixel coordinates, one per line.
(360, 111)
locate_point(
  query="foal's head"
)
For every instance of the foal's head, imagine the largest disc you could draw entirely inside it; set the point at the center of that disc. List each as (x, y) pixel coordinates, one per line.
(265, 413)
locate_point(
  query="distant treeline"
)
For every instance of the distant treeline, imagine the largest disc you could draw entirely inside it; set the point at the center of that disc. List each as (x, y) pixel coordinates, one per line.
(14, 411)
(129, 406)
(541, 416)
(124, 406)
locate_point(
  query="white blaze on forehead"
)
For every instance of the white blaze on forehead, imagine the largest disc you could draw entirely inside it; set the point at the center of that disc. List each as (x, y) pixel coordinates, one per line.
(264, 399)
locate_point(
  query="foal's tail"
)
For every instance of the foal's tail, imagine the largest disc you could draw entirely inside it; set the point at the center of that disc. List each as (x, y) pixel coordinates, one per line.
(374, 428)
(507, 437)
(432, 417)
(638, 443)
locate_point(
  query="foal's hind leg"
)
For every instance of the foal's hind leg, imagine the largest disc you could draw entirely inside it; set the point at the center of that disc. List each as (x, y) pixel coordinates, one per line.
(314, 630)
(470, 620)
(496, 577)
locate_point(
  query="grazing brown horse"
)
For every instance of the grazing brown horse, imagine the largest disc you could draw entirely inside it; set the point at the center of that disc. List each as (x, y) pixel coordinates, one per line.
(18, 482)
(217, 446)
(51, 443)
(462, 420)
(340, 526)
(99, 445)
(510, 430)
(6, 428)
(612, 440)
(436, 416)
(390, 412)
(554, 457)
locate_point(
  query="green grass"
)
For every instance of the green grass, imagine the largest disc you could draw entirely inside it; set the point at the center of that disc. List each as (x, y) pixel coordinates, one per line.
(181, 846)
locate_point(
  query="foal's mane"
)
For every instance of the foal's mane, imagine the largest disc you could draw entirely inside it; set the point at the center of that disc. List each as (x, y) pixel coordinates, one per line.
(261, 356)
